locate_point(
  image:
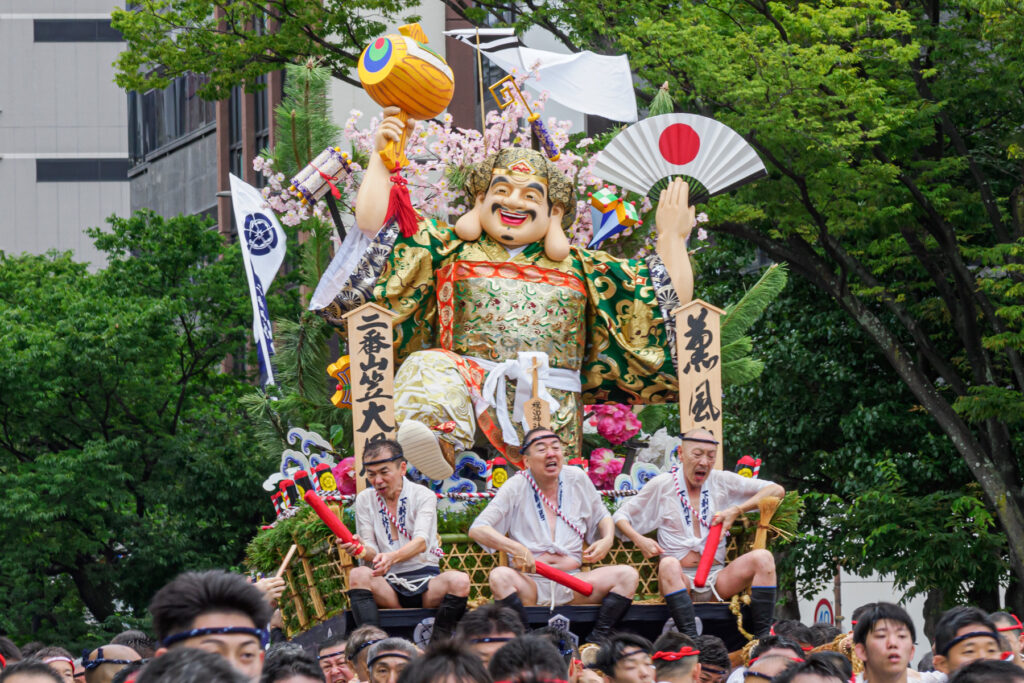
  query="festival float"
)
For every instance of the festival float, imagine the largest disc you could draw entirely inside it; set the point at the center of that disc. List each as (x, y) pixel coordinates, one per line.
(457, 346)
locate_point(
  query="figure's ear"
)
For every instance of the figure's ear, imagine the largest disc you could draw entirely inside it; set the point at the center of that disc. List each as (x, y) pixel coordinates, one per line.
(468, 226)
(556, 244)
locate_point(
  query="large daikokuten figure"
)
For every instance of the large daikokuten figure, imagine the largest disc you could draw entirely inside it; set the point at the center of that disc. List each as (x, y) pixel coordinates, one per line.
(478, 302)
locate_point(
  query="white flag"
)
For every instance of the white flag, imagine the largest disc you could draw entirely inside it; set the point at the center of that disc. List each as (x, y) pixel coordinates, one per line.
(600, 85)
(263, 247)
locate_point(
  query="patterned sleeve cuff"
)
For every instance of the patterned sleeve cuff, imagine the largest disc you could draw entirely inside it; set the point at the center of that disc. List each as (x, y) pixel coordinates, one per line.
(668, 301)
(353, 273)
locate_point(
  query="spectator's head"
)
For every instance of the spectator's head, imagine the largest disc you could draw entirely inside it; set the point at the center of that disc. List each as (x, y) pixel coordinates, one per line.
(190, 665)
(561, 639)
(129, 672)
(925, 663)
(795, 631)
(766, 668)
(822, 634)
(963, 635)
(58, 659)
(136, 640)
(330, 655)
(446, 662)
(357, 645)
(837, 660)
(29, 671)
(29, 649)
(1010, 629)
(776, 645)
(103, 663)
(288, 663)
(676, 658)
(625, 658)
(216, 611)
(988, 671)
(814, 670)
(487, 628)
(527, 657)
(884, 639)
(9, 652)
(386, 660)
(714, 659)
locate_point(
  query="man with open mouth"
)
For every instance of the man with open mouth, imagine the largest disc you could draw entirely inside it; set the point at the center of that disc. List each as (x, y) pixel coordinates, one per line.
(683, 505)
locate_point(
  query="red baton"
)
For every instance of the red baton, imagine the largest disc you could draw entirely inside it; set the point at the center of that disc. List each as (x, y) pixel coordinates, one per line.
(707, 558)
(332, 521)
(564, 578)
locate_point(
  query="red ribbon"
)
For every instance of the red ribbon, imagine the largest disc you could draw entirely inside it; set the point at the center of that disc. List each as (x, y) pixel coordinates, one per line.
(687, 651)
(329, 180)
(400, 205)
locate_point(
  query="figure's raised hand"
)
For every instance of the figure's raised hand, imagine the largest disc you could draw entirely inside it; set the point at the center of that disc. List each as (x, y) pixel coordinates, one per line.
(674, 216)
(391, 128)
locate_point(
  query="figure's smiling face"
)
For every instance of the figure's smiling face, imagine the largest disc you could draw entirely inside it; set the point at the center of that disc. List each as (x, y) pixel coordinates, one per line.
(515, 210)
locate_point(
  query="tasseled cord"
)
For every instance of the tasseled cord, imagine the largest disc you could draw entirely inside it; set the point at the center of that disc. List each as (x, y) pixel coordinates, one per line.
(400, 204)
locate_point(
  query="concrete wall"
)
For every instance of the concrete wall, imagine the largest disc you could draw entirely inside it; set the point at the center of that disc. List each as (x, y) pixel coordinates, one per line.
(57, 101)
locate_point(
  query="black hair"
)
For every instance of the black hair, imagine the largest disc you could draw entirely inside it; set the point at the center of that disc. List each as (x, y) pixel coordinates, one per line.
(176, 606)
(446, 661)
(814, 666)
(330, 642)
(673, 641)
(127, 671)
(952, 620)
(838, 660)
(794, 630)
(773, 642)
(29, 650)
(373, 448)
(614, 647)
(561, 639)
(487, 620)
(988, 671)
(874, 612)
(535, 430)
(713, 651)
(9, 651)
(823, 633)
(926, 663)
(32, 667)
(527, 656)
(287, 660)
(136, 640)
(189, 665)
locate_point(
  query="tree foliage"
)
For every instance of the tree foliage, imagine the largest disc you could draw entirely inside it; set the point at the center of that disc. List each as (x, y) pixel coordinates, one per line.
(124, 455)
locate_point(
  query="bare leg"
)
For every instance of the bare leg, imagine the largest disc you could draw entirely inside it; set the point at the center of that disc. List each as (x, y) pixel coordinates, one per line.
(620, 578)
(755, 568)
(671, 577)
(383, 594)
(455, 583)
(505, 581)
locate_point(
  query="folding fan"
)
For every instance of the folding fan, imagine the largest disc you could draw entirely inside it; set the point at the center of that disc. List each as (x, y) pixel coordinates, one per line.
(670, 145)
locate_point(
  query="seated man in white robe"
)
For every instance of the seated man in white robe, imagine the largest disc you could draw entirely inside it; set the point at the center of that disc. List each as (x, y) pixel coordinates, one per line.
(683, 505)
(396, 521)
(549, 512)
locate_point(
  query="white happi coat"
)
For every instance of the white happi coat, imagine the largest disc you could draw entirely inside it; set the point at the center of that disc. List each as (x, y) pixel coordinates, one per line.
(518, 512)
(417, 512)
(658, 506)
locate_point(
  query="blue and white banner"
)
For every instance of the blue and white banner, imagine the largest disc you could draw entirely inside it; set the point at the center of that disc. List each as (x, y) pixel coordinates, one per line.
(263, 247)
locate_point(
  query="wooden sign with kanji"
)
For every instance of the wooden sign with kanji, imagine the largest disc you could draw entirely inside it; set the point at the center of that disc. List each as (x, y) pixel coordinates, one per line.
(699, 355)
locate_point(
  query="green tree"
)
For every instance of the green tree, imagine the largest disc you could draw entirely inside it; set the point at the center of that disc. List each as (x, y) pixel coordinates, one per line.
(124, 456)
(891, 135)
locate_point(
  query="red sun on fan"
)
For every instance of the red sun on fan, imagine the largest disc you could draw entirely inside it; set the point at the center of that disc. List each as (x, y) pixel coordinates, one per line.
(679, 144)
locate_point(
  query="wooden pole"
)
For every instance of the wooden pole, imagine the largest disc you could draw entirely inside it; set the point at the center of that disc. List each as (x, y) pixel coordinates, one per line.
(699, 356)
(480, 80)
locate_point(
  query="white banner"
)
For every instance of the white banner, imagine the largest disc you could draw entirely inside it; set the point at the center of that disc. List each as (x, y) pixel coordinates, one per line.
(600, 85)
(263, 245)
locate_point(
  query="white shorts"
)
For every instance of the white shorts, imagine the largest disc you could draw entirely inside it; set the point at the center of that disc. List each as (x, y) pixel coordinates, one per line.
(708, 592)
(551, 593)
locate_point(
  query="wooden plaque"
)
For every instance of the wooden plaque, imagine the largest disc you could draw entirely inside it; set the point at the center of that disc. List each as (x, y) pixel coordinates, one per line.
(699, 356)
(372, 353)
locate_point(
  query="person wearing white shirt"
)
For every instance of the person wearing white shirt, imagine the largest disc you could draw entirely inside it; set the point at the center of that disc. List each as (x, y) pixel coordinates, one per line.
(396, 521)
(553, 514)
(683, 505)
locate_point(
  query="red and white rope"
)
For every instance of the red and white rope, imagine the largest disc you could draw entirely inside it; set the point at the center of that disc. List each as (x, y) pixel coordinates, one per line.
(557, 509)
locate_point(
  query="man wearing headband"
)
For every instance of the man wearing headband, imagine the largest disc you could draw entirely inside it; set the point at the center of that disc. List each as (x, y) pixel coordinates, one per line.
(387, 658)
(58, 659)
(963, 635)
(330, 655)
(555, 515)
(216, 611)
(682, 505)
(883, 639)
(625, 658)
(479, 301)
(357, 646)
(1012, 633)
(487, 628)
(396, 522)
(676, 658)
(103, 663)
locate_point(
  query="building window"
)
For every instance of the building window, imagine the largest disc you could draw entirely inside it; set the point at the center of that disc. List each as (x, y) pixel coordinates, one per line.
(262, 116)
(157, 119)
(81, 170)
(75, 31)
(235, 132)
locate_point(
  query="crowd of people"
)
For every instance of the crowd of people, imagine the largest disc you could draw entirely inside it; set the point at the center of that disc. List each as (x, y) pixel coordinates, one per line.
(219, 627)
(213, 627)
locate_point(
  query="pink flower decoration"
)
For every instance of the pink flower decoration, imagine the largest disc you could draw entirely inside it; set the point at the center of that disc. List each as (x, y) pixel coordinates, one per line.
(604, 467)
(615, 422)
(345, 476)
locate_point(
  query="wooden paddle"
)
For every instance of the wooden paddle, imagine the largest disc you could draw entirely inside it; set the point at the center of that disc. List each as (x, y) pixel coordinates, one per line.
(538, 412)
